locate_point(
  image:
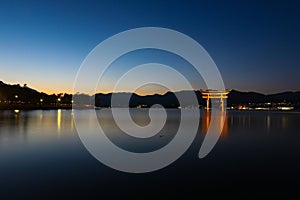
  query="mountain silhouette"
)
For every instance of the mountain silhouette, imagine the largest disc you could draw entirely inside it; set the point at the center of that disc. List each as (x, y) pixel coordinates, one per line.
(16, 96)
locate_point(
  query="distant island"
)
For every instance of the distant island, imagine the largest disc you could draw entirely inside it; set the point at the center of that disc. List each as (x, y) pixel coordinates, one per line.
(25, 98)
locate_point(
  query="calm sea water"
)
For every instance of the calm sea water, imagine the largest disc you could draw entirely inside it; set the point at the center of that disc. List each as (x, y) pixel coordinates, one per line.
(41, 155)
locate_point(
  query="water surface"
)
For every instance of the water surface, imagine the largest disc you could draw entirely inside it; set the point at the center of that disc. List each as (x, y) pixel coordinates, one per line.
(41, 155)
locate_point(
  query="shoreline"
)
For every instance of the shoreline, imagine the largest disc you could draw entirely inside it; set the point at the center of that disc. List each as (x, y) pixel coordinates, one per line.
(69, 107)
(34, 107)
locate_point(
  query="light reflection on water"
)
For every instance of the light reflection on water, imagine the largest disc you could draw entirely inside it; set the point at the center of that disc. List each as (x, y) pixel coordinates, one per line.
(56, 121)
(222, 126)
(45, 126)
(43, 145)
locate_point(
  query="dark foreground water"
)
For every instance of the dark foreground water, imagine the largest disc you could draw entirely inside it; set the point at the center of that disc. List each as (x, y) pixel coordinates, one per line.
(42, 156)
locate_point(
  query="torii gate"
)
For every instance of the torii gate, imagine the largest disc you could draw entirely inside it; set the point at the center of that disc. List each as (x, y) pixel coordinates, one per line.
(215, 94)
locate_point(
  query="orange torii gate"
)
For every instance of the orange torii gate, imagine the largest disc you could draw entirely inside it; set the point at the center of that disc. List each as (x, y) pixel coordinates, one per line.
(215, 94)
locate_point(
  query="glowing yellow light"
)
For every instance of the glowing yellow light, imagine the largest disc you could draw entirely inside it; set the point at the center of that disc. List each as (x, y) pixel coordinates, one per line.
(59, 99)
(16, 111)
(16, 96)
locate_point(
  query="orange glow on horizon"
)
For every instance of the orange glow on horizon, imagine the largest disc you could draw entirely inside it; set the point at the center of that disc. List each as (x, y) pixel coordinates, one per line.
(70, 91)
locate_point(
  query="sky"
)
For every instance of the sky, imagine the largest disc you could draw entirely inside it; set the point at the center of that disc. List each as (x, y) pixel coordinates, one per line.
(255, 44)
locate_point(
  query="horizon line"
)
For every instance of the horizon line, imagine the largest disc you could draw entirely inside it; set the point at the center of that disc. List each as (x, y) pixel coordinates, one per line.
(149, 94)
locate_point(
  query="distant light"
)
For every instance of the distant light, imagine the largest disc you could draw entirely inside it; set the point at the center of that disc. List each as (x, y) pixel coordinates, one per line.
(72, 101)
(16, 96)
(58, 99)
(41, 100)
(285, 108)
(17, 111)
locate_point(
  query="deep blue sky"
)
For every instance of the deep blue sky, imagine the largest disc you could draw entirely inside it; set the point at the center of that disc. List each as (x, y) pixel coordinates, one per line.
(255, 44)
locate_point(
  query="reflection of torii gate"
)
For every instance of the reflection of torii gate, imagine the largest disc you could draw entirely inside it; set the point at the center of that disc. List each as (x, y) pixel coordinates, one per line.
(214, 94)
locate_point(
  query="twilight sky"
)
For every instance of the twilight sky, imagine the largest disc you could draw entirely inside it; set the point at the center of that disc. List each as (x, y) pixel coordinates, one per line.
(255, 44)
